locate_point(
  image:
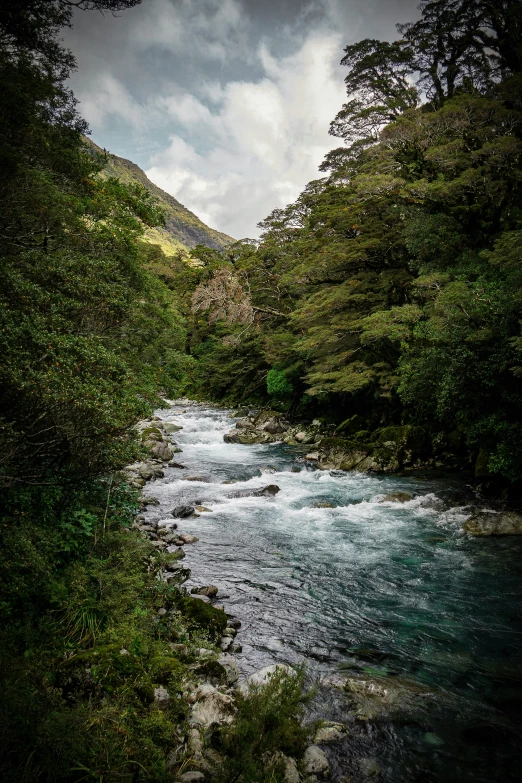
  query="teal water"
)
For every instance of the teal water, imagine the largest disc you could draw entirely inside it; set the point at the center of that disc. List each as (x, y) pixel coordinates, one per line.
(394, 597)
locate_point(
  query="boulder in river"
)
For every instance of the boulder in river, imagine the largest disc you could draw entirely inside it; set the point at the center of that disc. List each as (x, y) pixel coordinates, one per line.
(186, 538)
(180, 512)
(195, 478)
(386, 698)
(494, 523)
(161, 451)
(269, 491)
(397, 497)
(316, 761)
(329, 732)
(169, 427)
(274, 426)
(208, 590)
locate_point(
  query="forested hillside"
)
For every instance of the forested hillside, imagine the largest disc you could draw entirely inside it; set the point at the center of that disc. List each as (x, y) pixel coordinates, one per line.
(89, 338)
(390, 292)
(182, 229)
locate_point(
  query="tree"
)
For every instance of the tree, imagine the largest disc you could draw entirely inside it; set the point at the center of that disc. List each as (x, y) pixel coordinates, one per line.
(380, 89)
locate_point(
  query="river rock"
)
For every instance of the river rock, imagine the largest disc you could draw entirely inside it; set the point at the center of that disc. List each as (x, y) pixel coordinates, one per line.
(316, 761)
(191, 777)
(177, 465)
(269, 491)
(195, 478)
(229, 664)
(212, 707)
(161, 451)
(226, 643)
(161, 697)
(386, 698)
(145, 471)
(202, 509)
(169, 427)
(274, 426)
(208, 590)
(397, 497)
(494, 523)
(186, 538)
(329, 732)
(180, 512)
(313, 456)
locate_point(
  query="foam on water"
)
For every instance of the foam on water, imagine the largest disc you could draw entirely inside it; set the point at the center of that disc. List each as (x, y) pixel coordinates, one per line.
(316, 584)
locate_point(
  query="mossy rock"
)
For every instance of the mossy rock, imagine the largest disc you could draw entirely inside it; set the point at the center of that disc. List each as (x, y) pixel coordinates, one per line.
(202, 615)
(164, 668)
(403, 436)
(151, 433)
(338, 444)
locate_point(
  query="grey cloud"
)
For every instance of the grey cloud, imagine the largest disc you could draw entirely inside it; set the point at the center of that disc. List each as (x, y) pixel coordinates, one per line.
(226, 103)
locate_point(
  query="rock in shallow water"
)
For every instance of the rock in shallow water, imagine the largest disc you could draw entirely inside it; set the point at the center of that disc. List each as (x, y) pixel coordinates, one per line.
(329, 732)
(316, 761)
(188, 539)
(269, 491)
(208, 590)
(494, 523)
(180, 512)
(397, 497)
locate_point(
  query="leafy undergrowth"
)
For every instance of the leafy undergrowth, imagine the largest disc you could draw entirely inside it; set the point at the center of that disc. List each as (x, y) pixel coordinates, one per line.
(83, 648)
(268, 724)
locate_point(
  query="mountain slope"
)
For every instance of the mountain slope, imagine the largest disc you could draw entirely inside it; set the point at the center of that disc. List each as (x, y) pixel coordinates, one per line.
(183, 229)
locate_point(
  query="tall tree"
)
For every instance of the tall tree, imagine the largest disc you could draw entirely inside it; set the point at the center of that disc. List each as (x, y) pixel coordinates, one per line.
(379, 87)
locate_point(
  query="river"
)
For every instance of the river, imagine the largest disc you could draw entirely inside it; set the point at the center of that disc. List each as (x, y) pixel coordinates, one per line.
(391, 594)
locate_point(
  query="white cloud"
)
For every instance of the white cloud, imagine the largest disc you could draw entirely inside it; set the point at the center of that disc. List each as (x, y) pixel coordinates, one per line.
(208, 28)
(107, 97)
(263, 143)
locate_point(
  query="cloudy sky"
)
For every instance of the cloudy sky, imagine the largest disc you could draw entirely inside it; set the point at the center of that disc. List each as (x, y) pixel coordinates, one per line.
(224, 103)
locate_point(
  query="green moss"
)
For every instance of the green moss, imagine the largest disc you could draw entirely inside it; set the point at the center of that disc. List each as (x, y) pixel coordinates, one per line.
(151, 433)
(201, 615)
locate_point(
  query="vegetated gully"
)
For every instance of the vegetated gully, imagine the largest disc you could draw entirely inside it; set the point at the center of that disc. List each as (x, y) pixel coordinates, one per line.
(409, 629)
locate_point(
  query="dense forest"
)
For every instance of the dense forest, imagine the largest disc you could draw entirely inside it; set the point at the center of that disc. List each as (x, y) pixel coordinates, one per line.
(388, 294)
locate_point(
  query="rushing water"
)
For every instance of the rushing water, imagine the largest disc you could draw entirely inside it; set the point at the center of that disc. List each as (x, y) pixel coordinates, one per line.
(392, 593)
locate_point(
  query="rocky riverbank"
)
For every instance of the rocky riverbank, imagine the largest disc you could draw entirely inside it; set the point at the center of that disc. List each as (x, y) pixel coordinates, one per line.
(368, 688)
(387, 450)
(215, 686)
(390, 450)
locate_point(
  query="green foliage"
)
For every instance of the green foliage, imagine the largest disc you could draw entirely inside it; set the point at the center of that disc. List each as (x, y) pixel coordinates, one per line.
(268, 723)
(395, 284)
(277, 384)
